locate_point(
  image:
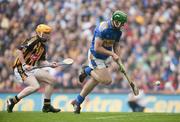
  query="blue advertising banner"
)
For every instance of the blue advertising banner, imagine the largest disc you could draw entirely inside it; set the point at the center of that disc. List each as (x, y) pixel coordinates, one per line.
(95, 102)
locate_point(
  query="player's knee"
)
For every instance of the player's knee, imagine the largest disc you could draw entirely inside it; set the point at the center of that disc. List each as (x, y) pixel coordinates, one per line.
(52, 84)
(52, 81)
(36, 87)
(106, 81)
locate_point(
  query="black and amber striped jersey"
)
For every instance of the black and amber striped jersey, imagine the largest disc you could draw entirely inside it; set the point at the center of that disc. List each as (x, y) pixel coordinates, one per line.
(33, 51)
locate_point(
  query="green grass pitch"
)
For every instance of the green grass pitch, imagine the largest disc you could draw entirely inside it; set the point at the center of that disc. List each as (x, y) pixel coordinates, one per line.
(88, 117)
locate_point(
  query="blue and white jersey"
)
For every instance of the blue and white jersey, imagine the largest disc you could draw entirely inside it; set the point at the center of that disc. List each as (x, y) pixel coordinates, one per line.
(109, 36)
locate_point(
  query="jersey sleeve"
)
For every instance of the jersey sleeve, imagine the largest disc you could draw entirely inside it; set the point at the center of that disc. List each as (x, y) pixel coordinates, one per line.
(118, 37)
(101, 30)
(22, 45)
(27, 44)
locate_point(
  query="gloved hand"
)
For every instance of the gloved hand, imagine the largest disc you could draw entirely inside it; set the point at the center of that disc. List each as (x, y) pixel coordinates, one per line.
(54, 64)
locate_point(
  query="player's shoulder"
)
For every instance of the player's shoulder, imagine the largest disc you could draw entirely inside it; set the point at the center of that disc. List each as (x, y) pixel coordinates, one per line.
(30, 40)
(103, 26)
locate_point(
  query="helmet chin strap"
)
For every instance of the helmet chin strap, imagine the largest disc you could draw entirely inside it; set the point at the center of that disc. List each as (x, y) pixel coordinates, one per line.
(119, 25)
(41, 36)
(116, 25)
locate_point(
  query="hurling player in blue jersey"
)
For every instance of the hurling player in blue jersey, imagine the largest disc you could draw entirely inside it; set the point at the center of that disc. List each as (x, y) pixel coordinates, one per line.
(104, 47)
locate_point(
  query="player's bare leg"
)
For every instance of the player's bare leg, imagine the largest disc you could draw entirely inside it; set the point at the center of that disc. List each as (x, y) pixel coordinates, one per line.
(33, 86)
(98, 76)
(88, 87)
(102, 76)
(44, 76)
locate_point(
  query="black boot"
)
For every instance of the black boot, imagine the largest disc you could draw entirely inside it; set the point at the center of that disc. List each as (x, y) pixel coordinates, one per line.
(50, 108)
(77, 108)
(10, 105)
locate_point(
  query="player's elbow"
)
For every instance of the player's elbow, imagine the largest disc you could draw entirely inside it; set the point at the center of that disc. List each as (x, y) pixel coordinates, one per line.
(96, 49)
(98, 45)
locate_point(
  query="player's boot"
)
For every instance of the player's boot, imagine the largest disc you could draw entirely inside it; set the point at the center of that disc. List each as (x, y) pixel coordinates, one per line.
(10, 105)
(82, 75)
(135, 89)
(77, 108)
(50, 108)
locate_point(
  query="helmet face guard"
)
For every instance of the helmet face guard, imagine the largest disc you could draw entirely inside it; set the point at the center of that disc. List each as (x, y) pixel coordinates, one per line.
(43, 31)
(44, 36)
(119, 18)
